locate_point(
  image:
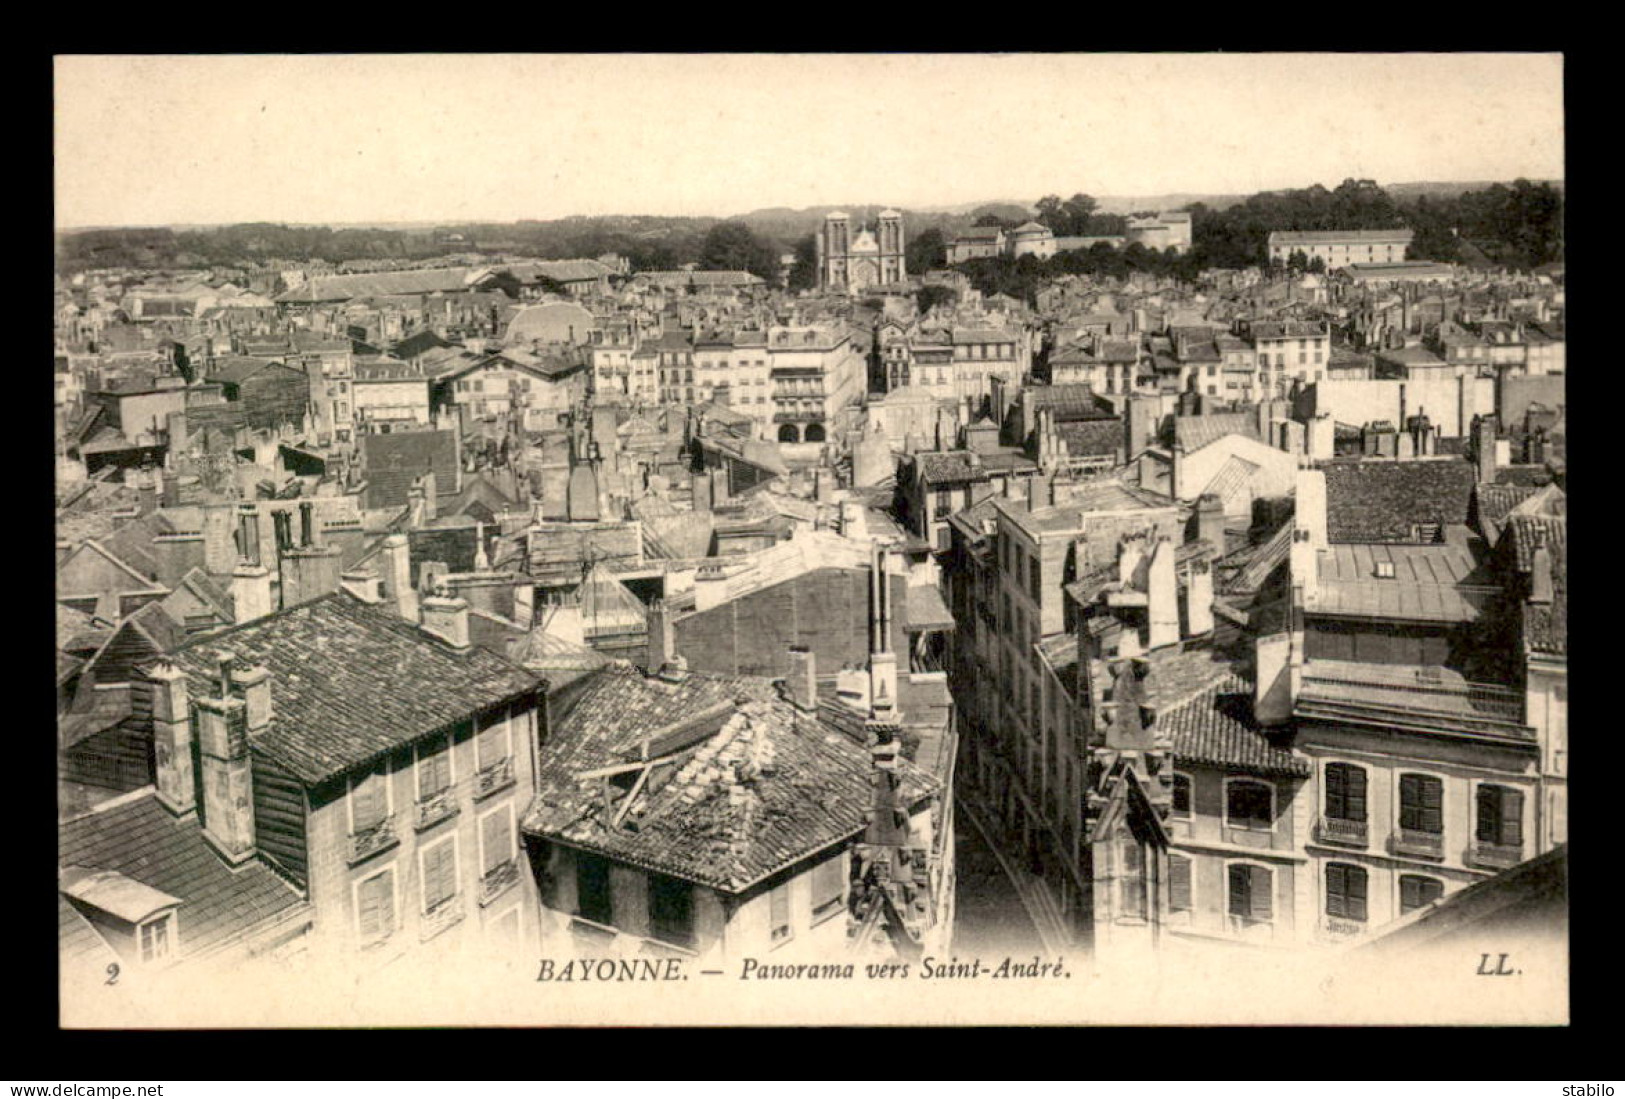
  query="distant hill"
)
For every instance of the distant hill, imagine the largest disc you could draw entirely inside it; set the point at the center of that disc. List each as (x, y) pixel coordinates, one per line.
(1402, 192)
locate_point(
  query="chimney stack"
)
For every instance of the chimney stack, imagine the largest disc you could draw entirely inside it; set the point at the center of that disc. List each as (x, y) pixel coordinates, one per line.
(1162, 596)
(398, 576)
(803, 678)
(882, 661)
(1199, 598)
(662, 636)
(172, 739)
(1484, 431)
(228, 814)
(250, 592)
(1210, 521)
(1540, 572)
(446, 619)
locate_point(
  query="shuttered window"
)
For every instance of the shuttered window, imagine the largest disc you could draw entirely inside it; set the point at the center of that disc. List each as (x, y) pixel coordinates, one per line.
(1345, 792)
(779, 913)
(1345, 891)
(491, 742)
(496, 840)
(369, 799)
(439, 875)
(434, 766)
(1250, 892)
(1500, 815)
(375, 903)
(1421, 804)
(828, 885)
(1179, 883)
(1416, 892)
(1133, 880)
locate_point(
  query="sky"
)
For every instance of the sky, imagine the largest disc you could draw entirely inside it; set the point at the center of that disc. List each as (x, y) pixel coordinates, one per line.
(446, 138)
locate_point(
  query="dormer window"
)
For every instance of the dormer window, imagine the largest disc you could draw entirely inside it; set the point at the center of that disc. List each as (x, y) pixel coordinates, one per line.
(157, 938)
(1385, 570)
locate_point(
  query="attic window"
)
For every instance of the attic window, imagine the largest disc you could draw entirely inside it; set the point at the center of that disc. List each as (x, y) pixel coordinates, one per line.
(1385, 570)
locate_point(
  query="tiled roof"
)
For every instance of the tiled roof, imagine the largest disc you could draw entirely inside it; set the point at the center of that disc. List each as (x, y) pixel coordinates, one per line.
(136, 837)
(1381, 500)
(1195, 432)
(350, 682)
(1354, 236)
(948, 466)
(1091, 438)
(759, 786)
(1216, 728)
(412, 453)
(1069, 402)
(379, 284)
(1494, 502)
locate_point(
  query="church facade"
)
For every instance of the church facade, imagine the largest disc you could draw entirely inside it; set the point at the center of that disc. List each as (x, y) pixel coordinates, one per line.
(855, 263)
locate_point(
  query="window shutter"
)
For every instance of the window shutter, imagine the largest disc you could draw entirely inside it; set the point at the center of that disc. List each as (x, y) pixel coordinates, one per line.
(434, 768)
(1259, 893)
(369, 801)
(1410, 894)
(492, 745)
(779, 900)
(1336, 891)
(1337, 791)
(1356, 893)
(439, 881)
(1489, 813)
(498, 846)
(1432, 806)
(1240, 883)
(1179, 883)
(1356, 794)
(1511, 817)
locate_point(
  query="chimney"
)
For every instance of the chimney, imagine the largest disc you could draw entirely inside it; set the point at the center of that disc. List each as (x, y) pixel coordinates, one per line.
(363, 585)
(1540, 572)
(524, 603)
(228, 814)
(710, 587)
(248, 533)
(882, 661)
(1484, 429)
(397, 566)
(803, 678)
(702, 493)
(1272, 688)
(172, 739)
(219, 551)
(662, 637)
(1210, 521)
(250, 592)
(1162, 596)
(1199, 599)
(446, 619)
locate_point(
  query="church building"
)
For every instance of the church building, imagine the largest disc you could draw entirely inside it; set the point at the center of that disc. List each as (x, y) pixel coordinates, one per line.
(872, 258)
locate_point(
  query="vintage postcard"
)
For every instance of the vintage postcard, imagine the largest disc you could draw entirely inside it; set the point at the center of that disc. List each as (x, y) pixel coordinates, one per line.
(882, 539)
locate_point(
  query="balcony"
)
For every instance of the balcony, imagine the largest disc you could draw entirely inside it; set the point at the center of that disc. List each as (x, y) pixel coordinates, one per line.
(498, 776)
(799, 417)
(1495, 856)
(1344, 929)
(1346, 833)
(498, 880)
(435, 808)
(367, 842)
(1422, 845)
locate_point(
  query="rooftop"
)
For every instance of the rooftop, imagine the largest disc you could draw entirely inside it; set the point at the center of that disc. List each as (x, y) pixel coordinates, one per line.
(1383, 500)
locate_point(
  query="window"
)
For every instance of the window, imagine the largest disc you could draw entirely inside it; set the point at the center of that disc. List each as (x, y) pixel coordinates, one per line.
(155, 938)
(1345, 891)
(828, 885)
(493, 753)
(1132, 879)
(1179, 883)
(1036, 569)
(1182, 796)
(439, 864)
(779, 914)
(434, 766)
(592, 889)
(1421, 804)
(1345, 792)
(375, 906)
(369, 799)
(1250, 899)
(1249, 804)
(1416, 892)
(671, 910)
(1500, 816)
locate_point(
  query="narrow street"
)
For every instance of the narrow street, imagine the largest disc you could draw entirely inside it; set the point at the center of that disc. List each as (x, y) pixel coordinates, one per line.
(989, 916)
